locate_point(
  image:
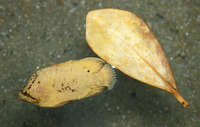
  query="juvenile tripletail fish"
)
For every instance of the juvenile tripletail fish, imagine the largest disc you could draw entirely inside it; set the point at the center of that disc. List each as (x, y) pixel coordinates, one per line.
(73, 80)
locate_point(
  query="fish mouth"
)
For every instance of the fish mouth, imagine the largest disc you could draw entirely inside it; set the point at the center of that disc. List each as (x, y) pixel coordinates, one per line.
(27, 97)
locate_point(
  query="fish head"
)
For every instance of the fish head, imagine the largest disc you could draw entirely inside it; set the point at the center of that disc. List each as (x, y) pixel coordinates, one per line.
(34, 91)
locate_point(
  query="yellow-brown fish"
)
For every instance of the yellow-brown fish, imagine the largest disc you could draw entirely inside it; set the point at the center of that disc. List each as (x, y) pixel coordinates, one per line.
(73, 80)
(123, 40)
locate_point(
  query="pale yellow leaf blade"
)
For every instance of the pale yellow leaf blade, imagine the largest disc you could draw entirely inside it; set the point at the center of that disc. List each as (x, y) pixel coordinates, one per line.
(123, 40)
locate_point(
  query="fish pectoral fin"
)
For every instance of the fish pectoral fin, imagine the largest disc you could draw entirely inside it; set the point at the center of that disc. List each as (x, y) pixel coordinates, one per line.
(96, 89)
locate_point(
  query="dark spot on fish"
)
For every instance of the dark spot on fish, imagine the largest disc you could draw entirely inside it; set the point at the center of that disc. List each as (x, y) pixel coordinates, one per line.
(34, 77)
(88, 70)
(29, 86)
(53, 85)
(28, 95)
(39, 82)
(59, 91)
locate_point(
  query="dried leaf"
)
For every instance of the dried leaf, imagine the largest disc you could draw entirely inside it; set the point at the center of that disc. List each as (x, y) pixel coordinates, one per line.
(124, 40)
